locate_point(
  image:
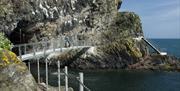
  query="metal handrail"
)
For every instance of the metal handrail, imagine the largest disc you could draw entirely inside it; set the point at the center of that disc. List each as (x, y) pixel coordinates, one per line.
(77, 79)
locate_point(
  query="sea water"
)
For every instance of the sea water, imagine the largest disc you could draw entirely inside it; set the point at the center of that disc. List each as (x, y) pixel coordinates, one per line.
(171, 46)
(122, 80)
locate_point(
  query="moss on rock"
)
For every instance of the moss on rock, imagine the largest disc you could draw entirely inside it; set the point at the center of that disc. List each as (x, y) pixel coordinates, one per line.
(16, 77)
(132, 49)
(7, 57)
(120, 35)
(4, 42)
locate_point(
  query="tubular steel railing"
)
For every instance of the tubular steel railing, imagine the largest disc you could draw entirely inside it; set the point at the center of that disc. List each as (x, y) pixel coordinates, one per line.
(45, 48)
(79, 79)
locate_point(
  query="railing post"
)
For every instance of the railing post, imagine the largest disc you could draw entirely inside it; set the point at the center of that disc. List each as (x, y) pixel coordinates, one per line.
(34, 50)
(38, 71)
(66, 78)
(62, 44)
(44, 49)
(46, 75)
(24, 48)
(53, 42)
(81, 88)
(83, 42)
(29, 66)
(59, 76)
(20, 55)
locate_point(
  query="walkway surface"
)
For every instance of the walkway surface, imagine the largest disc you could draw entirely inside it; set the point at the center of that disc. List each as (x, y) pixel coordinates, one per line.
(151, 45)
(40, 49)
(57, 45)
(41, 54)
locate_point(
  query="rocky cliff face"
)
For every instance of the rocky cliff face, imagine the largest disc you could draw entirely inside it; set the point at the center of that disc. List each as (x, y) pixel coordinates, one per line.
(98, 21)
(14, 75)
(116, 47)
(49, 18)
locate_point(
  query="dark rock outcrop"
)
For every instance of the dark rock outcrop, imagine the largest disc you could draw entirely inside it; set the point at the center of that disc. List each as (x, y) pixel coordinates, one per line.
(116, 46)
(112, 33)
(118, 49)
(14, 75)
(157, 62)
(46, 18)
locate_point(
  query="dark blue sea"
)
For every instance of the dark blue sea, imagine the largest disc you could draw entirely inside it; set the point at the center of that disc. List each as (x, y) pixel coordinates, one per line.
(138, 80)
(171, 46)
(123, 80)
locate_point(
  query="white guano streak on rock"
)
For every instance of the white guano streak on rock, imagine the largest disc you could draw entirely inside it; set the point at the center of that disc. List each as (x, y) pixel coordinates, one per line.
(47, 5)
(75, 19)
(138, 38)
(44, 10)
(70, 22)
(80, 21)
(51, 14)
(55, 8)
(91, 50)
(73, 3)
(65, 22)
(33, 13)
(94, 1)
(61, 12)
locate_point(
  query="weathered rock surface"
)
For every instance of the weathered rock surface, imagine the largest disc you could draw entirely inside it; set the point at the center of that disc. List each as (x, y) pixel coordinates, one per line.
(14, 75)
(116, 46)
(117, 49)
(50, 18)
(157, 62)
(93, 58)
(42, 86)
(98, 21)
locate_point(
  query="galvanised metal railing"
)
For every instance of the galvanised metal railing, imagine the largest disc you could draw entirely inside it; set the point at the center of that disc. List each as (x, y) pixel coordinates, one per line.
(41, 49)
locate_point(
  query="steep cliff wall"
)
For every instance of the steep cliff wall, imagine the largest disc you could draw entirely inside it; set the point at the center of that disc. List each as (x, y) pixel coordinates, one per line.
(99, 21)
(49, 18)
(14, 75)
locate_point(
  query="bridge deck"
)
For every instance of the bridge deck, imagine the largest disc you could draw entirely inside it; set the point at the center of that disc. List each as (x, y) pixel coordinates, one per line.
(40, 49)
(56, 46)
(152, 46)
(41, 54)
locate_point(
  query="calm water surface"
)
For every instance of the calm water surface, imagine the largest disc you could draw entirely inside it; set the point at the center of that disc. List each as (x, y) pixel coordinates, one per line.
(133, 81)
(171, 46)
(128, 80)
(122, 80)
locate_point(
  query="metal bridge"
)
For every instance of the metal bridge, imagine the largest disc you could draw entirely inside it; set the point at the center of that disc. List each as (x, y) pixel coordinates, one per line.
(41, 49)
(151, 45)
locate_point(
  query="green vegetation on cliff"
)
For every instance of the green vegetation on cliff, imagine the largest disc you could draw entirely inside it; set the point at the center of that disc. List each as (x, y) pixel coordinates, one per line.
(7, 57)
(119, 37)
(4, 42)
